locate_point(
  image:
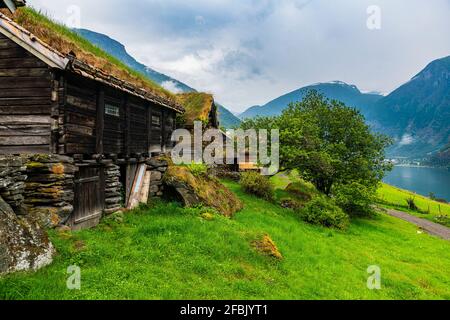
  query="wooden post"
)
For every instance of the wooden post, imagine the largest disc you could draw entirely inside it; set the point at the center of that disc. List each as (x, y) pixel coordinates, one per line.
(126, 107)
(149, 127)
(163, 130)
(100, 125)
(54, 116)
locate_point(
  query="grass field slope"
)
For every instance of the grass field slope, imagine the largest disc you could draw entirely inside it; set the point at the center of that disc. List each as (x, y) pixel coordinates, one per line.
(435, 211)
(169, 252)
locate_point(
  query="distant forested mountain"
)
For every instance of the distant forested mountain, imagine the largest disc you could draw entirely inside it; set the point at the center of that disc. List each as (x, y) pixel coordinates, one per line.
(349, 94)
(416, 115)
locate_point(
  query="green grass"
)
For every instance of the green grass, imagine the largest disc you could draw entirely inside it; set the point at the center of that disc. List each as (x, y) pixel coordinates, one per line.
(168, 252)
(393, 197)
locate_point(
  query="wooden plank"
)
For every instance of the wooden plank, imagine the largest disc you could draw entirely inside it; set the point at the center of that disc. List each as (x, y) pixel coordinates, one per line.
(127, 126)
(149, 128)
(24, 72)
(28, 101)
(79, 129)
(24, 119)
(143, 196)
(25, 82)
(100, 125)
(134, 198)
(27, 62)
(81, 103)
(24, 149)
(25, 92)
(74, 118)
(24, 140)
(77, 138)
(12, 52)
(88, 179)
(25, 110)
(129, 179)
(75, 148)
(26, 130)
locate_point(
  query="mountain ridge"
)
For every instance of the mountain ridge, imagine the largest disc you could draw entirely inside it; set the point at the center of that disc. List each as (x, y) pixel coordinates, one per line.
(338, 90)
(416, 114)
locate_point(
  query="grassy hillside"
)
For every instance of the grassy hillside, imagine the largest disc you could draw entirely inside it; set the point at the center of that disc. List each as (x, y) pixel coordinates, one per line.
(167, 252)
(429, 209)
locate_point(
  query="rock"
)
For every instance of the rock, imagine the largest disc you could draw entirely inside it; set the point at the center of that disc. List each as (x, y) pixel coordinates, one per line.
(113, 200)
(51, 158)
(154, 189)
(23, 244)
(267, 247)
(156, 163)
(109, 211)
(156, 176)
(200, 190)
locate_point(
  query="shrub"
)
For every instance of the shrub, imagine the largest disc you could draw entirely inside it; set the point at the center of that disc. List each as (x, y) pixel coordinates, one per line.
(355, 199)
(412, 204)
(197, 169)
(290, 203)
(322, 211)
(300, 191)
(258, 185)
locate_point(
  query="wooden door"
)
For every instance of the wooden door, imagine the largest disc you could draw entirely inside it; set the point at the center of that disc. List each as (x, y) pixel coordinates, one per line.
(89, 197)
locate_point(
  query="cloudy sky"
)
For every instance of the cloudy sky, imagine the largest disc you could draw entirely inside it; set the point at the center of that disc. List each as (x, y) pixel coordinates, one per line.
(247, 52)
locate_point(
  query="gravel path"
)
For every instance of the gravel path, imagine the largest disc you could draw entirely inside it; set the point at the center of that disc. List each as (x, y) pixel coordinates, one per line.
(429, 226)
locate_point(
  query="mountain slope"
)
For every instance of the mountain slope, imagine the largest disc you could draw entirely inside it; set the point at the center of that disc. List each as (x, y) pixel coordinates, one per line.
(417, 114)
(118, 50)
(346, 93)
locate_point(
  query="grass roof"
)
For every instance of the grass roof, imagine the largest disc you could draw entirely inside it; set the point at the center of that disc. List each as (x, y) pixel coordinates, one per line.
(66, 41)
(197, 106)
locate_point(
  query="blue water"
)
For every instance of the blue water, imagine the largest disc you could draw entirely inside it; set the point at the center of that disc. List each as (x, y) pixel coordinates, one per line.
(421, 180)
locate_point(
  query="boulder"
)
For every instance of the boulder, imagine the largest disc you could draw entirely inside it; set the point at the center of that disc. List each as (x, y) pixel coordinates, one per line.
(24, 245)
(201, 190)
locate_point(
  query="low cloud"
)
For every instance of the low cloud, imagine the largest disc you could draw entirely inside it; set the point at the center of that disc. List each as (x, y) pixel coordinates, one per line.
(171, 86)
(406, 139)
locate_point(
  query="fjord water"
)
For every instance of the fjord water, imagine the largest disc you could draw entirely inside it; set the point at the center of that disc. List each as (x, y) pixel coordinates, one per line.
(421, 180)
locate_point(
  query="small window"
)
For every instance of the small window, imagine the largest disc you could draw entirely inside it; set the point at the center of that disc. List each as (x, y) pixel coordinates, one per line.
(112, 110)
(156, 120)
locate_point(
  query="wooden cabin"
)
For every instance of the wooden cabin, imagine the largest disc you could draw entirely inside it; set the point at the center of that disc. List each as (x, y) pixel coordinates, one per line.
(58, 97)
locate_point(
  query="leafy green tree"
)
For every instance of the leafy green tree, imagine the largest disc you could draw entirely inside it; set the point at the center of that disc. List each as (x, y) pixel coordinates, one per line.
(328, 143)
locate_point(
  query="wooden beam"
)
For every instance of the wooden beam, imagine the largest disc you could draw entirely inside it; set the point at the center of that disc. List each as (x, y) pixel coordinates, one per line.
(54, 116)
(163, 130)
(11, 6)
(100, 126)
(127, 133)
(149, 127)
(33, 45)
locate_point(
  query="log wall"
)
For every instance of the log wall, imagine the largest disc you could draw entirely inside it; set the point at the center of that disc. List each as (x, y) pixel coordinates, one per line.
(25, 101)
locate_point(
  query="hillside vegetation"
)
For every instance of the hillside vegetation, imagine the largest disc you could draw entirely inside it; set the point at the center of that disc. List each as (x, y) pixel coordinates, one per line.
(167, 252)
(427, 208)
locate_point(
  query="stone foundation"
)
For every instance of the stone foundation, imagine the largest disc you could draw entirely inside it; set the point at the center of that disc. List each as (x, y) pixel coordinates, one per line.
(113, 188)
(158, 167)
(49, 188)
(24, 245)
(12, 181)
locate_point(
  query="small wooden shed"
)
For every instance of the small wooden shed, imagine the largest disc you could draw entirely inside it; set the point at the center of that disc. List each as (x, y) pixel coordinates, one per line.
(61, 95)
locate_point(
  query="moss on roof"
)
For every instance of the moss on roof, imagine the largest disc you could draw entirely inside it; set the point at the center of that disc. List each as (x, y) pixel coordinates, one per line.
(197, 106)
(64, 40)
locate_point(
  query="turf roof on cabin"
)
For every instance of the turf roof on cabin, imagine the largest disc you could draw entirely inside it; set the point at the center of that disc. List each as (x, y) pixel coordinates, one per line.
(197, 106)
(67, 42)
